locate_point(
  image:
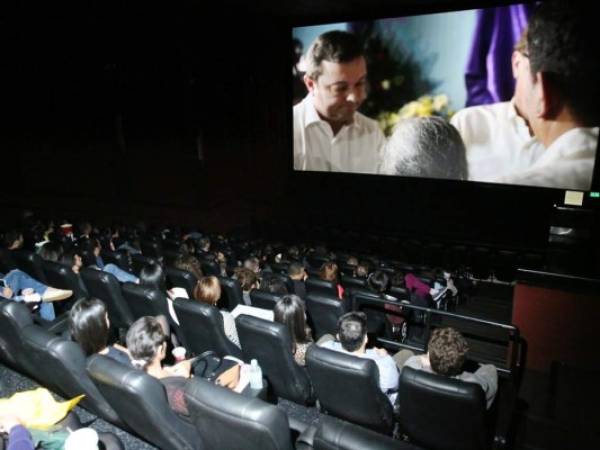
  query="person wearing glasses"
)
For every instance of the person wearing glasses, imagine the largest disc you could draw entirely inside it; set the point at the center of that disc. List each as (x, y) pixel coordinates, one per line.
(329, 132)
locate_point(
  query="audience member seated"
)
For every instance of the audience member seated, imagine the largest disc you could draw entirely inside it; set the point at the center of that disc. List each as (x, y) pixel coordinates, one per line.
(379, 282)
(208, 291)
(253, 264)
(147, 345)
(445, 356)
(363, 269)
(290, 312)
(17, 285)
(189, 263)
(329, 272)
(248, 281)
(89, 326)
(92, 259)
(297, 276)
(153, 276)
(273, 284)
(51, 251)
(352, 339)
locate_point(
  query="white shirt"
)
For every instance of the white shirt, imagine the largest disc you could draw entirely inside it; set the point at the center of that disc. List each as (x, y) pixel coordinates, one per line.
(497, 141)
(356, 148)
(567, 164)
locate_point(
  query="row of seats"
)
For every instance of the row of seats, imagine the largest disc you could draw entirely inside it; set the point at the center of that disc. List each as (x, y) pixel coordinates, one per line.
(201, 329)
(136, 402)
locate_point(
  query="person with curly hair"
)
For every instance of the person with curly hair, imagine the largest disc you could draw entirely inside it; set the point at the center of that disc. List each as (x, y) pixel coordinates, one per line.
(446, 353)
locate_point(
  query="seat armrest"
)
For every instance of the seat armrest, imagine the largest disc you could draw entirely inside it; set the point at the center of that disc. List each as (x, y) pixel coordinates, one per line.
(307, 435)
(57, 326)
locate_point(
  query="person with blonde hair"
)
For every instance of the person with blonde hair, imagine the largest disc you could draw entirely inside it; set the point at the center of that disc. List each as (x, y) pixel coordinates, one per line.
(208, 290)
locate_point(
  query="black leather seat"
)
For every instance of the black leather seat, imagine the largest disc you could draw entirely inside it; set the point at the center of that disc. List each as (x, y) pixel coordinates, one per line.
(352, 282)
(323, 287)
(324, 311)
(270, 344)
(30, 263)
(141, 401)
(61, 367)
(151, 248)
(182, 279)
(442, 413)
(139, 261)
(119, 259)
(263, 299)
(144, 300)
(347, 387)
(231, 293)
(335, 434)
(170, 256)
(106, 287)
(7, 262)
(14, 318)
(280, 268)
(201, 328)
(227, 420)
(210, 267)
(62, 276)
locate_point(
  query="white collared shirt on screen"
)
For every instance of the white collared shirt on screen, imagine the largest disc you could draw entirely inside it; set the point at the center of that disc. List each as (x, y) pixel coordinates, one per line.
(497, 140)
(567, 164)
(356, 148)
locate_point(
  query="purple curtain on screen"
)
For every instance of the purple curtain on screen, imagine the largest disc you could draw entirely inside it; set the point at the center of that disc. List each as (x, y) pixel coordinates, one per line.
(488, 75)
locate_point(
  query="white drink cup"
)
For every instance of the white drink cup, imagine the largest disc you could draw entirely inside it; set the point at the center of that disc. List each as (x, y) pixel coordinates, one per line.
(179, 353)
(82, 439)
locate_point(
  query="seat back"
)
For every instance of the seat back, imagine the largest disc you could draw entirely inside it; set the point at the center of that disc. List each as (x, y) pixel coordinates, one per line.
(182, 279)
(141, 401)
(210, 267)
(270, 344)
(151, 249)
(231, 293)
(263, 299)
(61, 367)
(231, 421)
(317, 286)
(105, 286)
(139, 261)
(324, 311)
(440, 412)
(30, 263)
(352, 282)
(7, 262)
(201, 328)
(347, 387)
(170, 256)
(335, 434)
(144, 301)
(119, 259)
(62, 276)
(14, 317)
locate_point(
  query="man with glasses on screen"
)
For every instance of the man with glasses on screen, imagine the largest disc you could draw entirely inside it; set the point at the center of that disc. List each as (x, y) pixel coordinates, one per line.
(497, 136)
(562, 95)
(329, 132)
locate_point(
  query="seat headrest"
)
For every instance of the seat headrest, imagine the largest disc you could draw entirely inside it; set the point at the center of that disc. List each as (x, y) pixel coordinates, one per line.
(438, 384)
(340, 361)
(260, 325)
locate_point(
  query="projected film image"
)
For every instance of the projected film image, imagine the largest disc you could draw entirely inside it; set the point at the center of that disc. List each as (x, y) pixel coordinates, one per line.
(488, 95)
